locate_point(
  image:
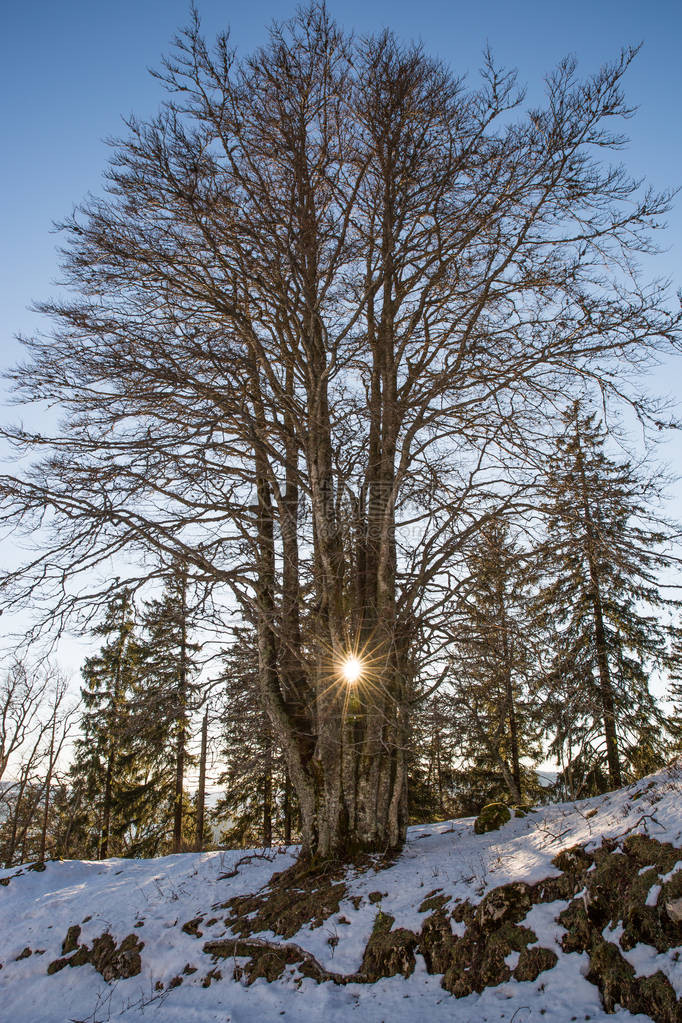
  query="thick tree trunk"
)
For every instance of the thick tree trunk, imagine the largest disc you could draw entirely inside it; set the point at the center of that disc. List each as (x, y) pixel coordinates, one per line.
(345, 751)
(359, 785)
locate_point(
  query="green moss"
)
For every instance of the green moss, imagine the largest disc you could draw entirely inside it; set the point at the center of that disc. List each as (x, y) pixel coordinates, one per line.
(615, 892)
(112, 962)
(388, 952)
(574, 861)
(192, 927)
(70, 942)
(578, 928)
(437, 942)
(295, 897)
(656, 998)
(491, 818)
(433, 901)
(534, 961)
(476, 959)
(647, 851)
(611, 973)
(264, 962)
(508, 902)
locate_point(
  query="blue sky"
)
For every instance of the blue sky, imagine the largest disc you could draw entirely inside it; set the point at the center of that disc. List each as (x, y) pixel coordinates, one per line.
(70, 70)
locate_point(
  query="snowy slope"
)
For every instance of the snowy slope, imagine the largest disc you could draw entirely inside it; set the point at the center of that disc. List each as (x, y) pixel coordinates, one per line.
(154, 898)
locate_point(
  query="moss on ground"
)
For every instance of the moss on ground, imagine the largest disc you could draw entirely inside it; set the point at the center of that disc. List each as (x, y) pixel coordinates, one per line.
(492, 817)
(112, 961)
(615, 892)
(294, 897)
(606, 888)
(388, 952)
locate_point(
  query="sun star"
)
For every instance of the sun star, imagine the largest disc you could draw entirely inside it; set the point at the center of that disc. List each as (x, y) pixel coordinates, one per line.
(351, 670)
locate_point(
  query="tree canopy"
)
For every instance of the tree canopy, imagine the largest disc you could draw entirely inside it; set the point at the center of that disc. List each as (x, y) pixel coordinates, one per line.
(323, 311)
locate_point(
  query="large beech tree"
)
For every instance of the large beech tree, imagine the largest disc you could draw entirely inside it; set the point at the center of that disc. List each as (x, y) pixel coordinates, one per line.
(329, 293)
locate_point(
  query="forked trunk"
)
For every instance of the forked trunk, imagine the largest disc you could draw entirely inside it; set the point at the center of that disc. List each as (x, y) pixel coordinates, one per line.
(357, 801)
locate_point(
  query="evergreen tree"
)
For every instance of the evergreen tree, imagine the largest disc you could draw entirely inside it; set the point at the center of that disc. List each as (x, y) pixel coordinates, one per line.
(494, 707)
(431, 773)
(104, 781)
(673, 723)
(599, 602)
(259, 805)
(165, 696)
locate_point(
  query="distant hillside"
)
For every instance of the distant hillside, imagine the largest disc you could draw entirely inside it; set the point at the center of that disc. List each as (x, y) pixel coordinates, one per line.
(568, 913)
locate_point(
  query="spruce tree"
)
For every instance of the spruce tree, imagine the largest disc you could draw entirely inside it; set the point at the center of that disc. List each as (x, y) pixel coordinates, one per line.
(673, 723)
(493, 697)
(165, 696)
(431, 766)
(601, 602)
(103, 775)
(259, 805)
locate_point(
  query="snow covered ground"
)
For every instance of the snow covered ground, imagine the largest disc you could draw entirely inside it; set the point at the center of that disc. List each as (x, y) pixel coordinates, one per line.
(154, 898)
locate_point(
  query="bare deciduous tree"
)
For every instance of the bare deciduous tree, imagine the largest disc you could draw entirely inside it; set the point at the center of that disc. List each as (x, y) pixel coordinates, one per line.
(36, 724)
(325, 307)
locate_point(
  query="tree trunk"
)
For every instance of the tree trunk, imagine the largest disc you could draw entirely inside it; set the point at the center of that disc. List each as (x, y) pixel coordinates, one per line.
(606, 691)
(48, 786)
(12, 844)
(509, 693)
(267, 788)
(510, 781)
(201, 793)
(439, 773)
(601, 649)
(106, 806)
(112, 743)
(24, 836)
(287, 808)
(181, 717)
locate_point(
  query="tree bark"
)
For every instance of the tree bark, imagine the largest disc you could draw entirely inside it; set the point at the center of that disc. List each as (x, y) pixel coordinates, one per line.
(509, 695)
(112, 743)
(601, 647)
(48, 787)
(201, 792)
(181, 715)
(287, 808)
(267, 788)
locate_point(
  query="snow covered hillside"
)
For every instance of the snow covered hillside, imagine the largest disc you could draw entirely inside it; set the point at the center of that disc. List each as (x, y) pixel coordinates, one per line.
(175, 939)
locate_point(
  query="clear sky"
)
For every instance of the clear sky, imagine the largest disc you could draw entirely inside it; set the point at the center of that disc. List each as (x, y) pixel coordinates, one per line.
(69, 71)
